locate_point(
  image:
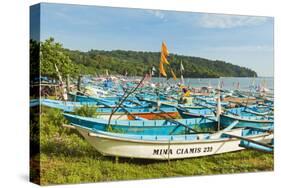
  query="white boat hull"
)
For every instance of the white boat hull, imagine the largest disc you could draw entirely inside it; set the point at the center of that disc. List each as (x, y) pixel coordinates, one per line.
(164, 150)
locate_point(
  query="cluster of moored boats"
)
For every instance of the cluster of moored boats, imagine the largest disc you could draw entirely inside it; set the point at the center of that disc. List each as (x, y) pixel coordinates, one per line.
(143, 119)
(139, 119)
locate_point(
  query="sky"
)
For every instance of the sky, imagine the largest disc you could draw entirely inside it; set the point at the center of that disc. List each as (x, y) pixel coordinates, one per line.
(242, 40)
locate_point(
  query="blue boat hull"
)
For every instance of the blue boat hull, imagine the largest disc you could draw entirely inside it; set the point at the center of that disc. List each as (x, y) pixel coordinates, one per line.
(193, 113)
(140, 127)
(228, 119)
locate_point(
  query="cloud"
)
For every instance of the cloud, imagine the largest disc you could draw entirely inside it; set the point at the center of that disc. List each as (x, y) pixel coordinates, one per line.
(157, 13)
(229, 21)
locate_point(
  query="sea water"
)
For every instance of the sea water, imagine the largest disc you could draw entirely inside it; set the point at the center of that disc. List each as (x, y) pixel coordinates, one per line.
(241, 83)
(232, 83)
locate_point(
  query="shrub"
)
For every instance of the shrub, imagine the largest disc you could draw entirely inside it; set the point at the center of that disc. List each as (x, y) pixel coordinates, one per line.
(87, 111)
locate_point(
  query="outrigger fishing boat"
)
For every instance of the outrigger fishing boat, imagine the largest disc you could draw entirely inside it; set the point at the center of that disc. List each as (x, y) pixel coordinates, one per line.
(246, 118)
(166, 147)
(124, 112)
(259, 110)
(143, 127)
(107, 101)
(201, 133)
(191, 112)
(66, 106)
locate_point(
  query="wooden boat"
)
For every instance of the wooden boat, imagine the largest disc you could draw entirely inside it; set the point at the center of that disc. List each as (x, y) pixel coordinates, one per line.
(143, 127)
(192, 113)
(108, 101)
(67, 106)
(166, 147)
(243, 94)
(139, 113)
(258, 111)
(156, 102)
(34, 102)
(209, 101)
(123, 113)
(246, 119)
(78, 98)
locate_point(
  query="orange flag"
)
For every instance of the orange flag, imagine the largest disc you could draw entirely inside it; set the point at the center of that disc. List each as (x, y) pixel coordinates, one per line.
(173, 74)
(164, 59)
(162, 70)
(164, 49)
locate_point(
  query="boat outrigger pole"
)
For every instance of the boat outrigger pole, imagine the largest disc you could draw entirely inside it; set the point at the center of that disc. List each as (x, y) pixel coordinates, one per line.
(124, 99)
(252, 144)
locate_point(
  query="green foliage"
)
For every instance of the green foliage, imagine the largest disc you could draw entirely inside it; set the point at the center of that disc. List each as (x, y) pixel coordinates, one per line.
(110, 128)
(34, 130)
(96, 62)
(51, 54)
(55, 139)
(199, 128)
(137, 63)
(51, 122)
(86, 110)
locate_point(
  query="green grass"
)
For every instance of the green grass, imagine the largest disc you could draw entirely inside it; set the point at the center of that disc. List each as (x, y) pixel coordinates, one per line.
(67, 158)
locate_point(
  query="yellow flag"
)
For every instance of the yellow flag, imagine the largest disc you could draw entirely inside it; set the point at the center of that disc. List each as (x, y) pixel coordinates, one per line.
(163, 59)
(162, 70)
(173, 74)
(187, 94)
(164, 49)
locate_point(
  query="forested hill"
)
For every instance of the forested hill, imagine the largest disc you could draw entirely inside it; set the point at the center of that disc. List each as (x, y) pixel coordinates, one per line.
(136, 63)
(96, 62)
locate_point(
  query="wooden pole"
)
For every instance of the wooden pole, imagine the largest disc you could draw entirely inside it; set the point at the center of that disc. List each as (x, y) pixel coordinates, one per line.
(116, 159)
(124, 99)
(67, 83)
(219, 106)
(56, 95)
(79, 83)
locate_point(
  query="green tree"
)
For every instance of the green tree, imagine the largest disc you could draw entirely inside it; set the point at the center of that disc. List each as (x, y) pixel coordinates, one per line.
(75, 62)
(51, 54)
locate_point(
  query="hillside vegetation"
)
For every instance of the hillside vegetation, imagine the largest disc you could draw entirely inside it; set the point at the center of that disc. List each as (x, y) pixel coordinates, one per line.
(136, 63)
(132, 63)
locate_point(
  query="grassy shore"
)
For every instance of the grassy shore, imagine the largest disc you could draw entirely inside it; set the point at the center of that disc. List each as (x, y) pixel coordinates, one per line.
(67, 158)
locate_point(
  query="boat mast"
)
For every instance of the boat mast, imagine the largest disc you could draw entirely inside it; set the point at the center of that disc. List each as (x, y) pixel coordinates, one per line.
(61, 84)
(181, 71)
(218, 106)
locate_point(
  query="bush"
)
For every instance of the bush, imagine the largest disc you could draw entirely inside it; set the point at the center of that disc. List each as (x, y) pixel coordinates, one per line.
(87, 111)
